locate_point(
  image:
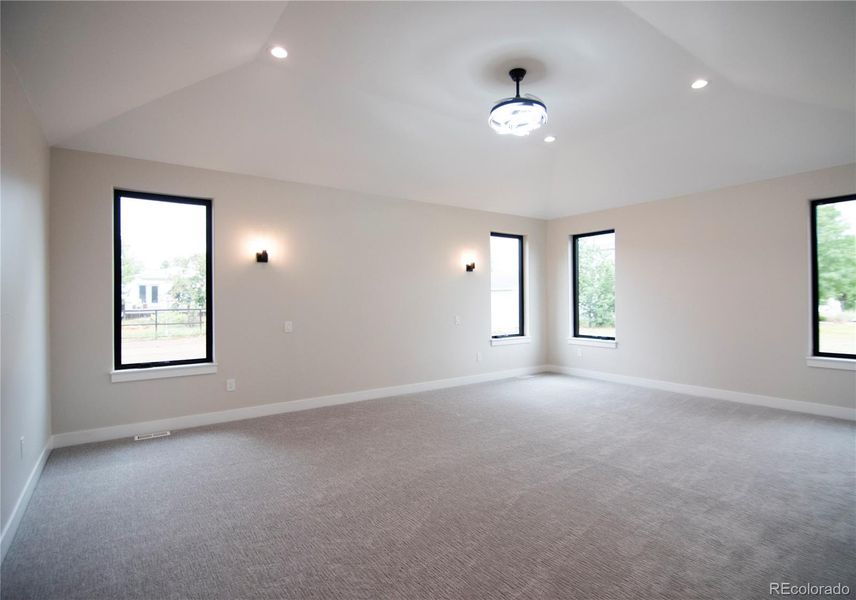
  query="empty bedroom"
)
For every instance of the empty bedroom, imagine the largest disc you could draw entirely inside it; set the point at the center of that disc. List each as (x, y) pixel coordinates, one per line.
(427, 300)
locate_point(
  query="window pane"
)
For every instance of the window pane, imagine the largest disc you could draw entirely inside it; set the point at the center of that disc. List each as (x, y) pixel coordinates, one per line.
(836, 277)
(506, 295)
(595, 285)
(164, 281)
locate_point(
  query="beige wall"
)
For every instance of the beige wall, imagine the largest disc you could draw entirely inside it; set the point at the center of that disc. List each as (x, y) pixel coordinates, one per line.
(24, 401)
(372, 285)
(712, 289)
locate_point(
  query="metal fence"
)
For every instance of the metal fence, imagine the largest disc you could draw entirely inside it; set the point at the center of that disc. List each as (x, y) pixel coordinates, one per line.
(154, 323)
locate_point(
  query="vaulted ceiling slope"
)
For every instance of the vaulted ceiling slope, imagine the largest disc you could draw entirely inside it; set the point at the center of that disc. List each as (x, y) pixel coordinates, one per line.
(392, 98)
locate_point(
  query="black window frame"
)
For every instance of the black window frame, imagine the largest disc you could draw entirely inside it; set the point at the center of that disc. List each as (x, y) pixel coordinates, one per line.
(575, 283)
(118, 194)
(815, 291)
(521, 279)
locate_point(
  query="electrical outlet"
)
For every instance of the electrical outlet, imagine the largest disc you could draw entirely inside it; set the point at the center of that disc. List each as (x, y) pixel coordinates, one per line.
(288, 327)
(22, 448)
(231, 385)
(579, 352)
(478, 356)
(457, 319)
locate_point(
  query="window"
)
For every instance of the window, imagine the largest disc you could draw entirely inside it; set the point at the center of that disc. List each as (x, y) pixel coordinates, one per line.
(593, 268)
(506, 285)
(163, 239)
(833, 241)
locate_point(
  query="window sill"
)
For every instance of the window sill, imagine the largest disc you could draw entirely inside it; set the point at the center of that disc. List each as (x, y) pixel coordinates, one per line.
(162, 372)
(824, 362)
(518, 339)
(575, 341)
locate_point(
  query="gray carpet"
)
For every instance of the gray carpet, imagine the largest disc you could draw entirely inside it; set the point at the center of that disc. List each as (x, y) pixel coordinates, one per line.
(546, 487)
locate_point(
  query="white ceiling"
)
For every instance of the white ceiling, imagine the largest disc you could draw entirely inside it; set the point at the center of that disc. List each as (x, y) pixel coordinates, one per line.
(392, 97)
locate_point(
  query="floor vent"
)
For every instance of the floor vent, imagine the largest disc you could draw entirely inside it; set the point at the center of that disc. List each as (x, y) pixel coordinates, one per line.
(151, 436)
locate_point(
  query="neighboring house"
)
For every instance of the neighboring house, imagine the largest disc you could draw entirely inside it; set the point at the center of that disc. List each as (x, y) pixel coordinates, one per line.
(148, 290)
(831, 310)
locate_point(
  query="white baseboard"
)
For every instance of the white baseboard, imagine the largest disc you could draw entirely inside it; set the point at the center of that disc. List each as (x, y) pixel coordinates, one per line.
(129, 430)
(812, 408)
(121, 431)
(11, 527)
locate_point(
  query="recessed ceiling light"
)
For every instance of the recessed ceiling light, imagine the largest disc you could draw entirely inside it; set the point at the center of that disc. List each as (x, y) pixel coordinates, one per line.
(550, 139)
(279, 52)
(699, 83)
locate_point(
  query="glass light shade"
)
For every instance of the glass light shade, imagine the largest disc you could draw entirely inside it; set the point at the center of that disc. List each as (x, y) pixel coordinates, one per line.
(518, 116)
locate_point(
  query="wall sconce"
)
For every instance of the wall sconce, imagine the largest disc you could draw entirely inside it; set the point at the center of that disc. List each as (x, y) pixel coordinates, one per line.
(468, 259)
(262, 257)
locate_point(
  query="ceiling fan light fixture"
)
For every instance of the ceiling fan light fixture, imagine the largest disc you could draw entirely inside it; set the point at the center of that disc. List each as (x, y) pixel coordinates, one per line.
(519, 115)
